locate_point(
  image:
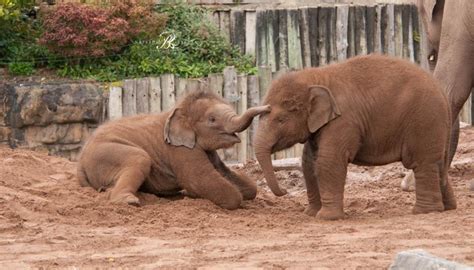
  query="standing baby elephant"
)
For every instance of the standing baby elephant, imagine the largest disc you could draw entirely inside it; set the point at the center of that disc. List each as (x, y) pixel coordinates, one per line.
(369, 110)
(170, 152)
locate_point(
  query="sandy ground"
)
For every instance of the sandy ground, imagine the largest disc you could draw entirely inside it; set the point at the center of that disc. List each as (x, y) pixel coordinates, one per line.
(47, 221)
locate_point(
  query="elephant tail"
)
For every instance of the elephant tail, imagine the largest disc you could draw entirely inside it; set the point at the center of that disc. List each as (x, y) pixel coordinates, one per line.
(82, 177)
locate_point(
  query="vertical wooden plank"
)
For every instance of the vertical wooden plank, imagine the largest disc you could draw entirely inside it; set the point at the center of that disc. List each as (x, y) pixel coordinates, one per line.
(264, 80)
(143, 85)
(242, 107)
(215, 18)
(224, 23)
(323, 38)
(370, 24)
(168, 97)
(270, 39)
(304, 37)
(283, 38)
(295, 60)
(332, 49)
(129, 104)
(465, 115)
(253, 95)
(180, 87)
(341, 31)
(191, 85)
(237, 28)
(388, 28)
(407, 33)
(351, 32)
(313, 21)
(261, 45)
(417, 31)
(378, 30)
(398, 31)
(204, 84)
(230, 84)
(155, 95)
(216, 83)
(231, 94)
(115, 103)
(250, 31)
(360, 32)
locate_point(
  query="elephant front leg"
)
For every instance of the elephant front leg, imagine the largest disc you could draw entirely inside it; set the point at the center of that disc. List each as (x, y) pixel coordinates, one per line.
(428, 188)
(246, 186)
(331, 171)
(311, 180)
(197, 176)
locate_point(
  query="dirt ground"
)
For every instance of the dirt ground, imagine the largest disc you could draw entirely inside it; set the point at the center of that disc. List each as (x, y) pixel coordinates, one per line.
(47, 221)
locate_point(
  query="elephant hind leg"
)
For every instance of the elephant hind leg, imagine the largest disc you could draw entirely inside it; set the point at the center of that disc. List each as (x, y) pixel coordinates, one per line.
(447, 193)
(428, 188)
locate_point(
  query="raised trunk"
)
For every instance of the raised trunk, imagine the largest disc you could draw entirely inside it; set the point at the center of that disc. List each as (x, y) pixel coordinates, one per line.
(240, 123)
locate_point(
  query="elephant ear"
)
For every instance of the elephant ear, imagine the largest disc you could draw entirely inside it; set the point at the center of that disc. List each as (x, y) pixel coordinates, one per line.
(323, 107)
(178, 132)
(428, 7)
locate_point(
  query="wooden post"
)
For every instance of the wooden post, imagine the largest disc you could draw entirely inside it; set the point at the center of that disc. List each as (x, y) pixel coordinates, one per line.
(313, 25)
(417, 31)
(224, 23)
(351, 32)
(180, 86)
(295, 60)
(143, 85)
(370, 25)
(216, 83)
(231, 95)
(378, 30)
(388, 29)
(341, 31)
(261, 45)
(465, 115)
(270, 40)
(215, 18)
(155, 95)
(407, 33)
(253, 94)
(264, 79)
(360, 33)
(115, 102)
(191, 85)
(168, 97)
(283, 38)
(242, 107)
(331, 34)
(323, 38)
(129, 104)
(304, 35)
(250, 31)
(398, 31)
(237, 29)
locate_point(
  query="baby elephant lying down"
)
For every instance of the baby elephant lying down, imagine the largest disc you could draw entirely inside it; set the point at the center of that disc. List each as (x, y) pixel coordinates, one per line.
(169, 152)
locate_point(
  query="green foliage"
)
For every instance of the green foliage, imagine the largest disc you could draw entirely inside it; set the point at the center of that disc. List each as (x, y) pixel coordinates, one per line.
(21, 68)
(190, 45)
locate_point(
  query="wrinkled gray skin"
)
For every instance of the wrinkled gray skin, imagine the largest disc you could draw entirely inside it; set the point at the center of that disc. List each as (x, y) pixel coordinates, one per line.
(450, 56)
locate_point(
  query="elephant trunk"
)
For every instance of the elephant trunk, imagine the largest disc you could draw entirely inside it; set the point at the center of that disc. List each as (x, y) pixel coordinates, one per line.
(240, 123)
(263, 153)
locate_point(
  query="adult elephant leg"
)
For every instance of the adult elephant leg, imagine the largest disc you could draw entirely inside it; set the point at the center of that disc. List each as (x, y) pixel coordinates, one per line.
(246, 186)
(311, 180)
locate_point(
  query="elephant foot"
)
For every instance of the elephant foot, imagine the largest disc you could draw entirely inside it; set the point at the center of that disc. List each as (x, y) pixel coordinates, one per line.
(330, 213)
(127, 198)
(408, 182)
(450, 204)
(439, 207)
(312, 210)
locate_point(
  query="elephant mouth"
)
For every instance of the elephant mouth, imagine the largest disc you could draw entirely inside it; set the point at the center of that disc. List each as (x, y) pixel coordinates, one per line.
(232, 136)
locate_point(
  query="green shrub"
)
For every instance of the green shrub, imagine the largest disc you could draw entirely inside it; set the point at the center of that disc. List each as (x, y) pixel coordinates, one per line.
(21, 68)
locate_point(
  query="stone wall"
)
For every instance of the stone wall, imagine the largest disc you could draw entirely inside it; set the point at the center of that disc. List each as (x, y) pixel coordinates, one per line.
(52, 117)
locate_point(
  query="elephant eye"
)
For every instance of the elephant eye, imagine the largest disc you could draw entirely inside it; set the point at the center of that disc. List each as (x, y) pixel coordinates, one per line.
(432, 56)
(212, 119)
